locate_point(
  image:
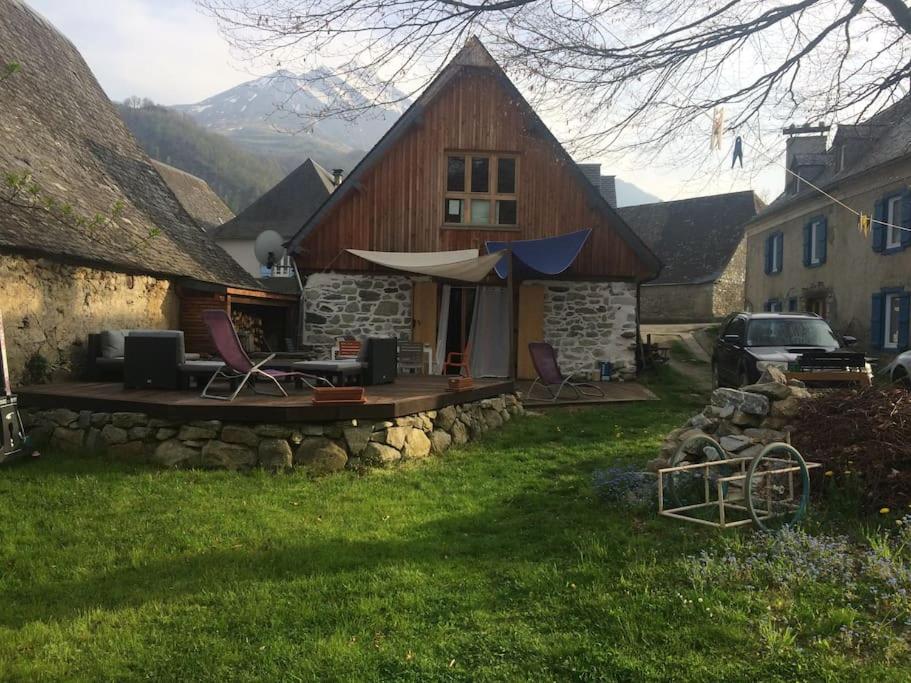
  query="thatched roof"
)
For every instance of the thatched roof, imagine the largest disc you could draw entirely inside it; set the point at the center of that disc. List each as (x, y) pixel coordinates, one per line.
(195, 195)
(284, 208)
(57, 124)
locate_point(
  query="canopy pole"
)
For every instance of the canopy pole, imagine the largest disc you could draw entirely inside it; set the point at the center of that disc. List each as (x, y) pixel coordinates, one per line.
(512, 314)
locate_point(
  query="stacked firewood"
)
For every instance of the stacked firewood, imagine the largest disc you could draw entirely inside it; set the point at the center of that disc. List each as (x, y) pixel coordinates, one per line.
(249, 330)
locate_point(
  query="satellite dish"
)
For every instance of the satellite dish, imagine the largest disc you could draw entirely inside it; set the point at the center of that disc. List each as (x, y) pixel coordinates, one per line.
(268, 248)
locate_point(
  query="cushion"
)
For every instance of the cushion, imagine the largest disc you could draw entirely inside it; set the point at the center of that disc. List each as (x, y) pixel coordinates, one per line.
(343, 366)
(162, 334)
(112, 343)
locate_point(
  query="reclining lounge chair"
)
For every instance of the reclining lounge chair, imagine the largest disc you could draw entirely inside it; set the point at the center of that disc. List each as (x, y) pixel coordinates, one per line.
(544, 358)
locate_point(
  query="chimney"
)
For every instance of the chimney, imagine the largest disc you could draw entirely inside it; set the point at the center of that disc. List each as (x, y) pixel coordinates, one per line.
(609, 189)
(337, 176)
(593, 173)
(802, 142)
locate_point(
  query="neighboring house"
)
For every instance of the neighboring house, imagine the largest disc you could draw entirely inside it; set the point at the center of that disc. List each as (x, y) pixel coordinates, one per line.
(700, 242)
(59, 282)
(284, 208)
(194, 194)
(807, 253)
(471, 162)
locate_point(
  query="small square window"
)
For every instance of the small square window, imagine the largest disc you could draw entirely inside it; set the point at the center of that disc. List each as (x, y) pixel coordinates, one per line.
(455, 174)
(506, 212)
(480, 174)
(480, 211)
(455, 209)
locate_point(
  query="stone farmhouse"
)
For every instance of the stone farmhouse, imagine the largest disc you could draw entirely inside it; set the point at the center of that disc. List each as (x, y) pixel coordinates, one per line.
(59, 281)
(808, 253)
(470, 162)
(701, 243)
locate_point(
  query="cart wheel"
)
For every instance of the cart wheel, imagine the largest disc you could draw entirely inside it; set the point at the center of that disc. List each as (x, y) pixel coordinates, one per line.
(777, 487)
(696, 449)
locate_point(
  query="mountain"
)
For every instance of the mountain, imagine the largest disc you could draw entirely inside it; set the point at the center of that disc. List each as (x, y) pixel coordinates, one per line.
(277, 116)
(236, 175)
(630, 195)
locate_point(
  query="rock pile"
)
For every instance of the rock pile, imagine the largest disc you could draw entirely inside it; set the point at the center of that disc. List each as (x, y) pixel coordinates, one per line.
(319, 447)
(742, 420)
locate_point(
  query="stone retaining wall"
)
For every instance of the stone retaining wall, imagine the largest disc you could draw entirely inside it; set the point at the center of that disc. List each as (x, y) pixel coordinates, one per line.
(319, 447)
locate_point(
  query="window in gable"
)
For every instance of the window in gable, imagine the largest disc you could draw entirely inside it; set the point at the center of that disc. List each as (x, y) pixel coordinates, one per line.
(481, 190)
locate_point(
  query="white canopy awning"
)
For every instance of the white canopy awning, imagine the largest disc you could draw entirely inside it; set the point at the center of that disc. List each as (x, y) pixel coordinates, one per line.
(465, 265)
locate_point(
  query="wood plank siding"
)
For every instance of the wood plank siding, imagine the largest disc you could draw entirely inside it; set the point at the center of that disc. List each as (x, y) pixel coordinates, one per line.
(398, 203)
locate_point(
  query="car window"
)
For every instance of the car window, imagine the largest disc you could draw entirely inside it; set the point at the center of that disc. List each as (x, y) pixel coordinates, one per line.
(790, 332)
(736, 326)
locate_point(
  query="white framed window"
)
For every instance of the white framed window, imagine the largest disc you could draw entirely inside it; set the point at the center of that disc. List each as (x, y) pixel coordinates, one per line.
(893, 217)
(815, 256)
(891, 320)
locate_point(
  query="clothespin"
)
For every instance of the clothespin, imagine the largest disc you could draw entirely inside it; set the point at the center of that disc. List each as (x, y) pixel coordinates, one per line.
(717, 128)
(863, 224)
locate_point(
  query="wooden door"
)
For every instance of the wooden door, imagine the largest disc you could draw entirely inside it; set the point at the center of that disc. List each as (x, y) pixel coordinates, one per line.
(531, 327)
(424, 313)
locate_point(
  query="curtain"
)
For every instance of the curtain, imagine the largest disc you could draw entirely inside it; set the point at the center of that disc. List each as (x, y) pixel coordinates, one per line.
(489, 336)
(442, 329)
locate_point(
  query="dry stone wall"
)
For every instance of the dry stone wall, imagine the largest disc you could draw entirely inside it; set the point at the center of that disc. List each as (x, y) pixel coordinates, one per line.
(50, 308)
(590, 322)
(320, 448)
(339, 304)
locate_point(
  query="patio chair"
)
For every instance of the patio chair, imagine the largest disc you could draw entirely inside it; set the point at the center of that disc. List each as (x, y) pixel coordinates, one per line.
(411, 357)
(544, 358)
(460, 360)
(238, 368)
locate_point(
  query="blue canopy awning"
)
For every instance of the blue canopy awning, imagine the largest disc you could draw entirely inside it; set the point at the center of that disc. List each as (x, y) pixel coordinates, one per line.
(546, 256)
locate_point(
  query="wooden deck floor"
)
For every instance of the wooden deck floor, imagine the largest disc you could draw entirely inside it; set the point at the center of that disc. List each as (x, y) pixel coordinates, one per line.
(409, 394)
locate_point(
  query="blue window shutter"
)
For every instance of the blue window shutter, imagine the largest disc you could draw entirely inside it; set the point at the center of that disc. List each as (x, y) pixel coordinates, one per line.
(768, 255)
(792, 305)
(779, 243)
(767, 306)
(906, 218)
(822, 233)
(807, 237)
(904, 319)
(876, 321)
(878, 229)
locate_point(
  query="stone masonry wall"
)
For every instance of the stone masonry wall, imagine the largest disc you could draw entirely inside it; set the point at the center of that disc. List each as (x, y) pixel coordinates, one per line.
(589, 322)
(50, 308)
(339, 304)
(320, 448)
(676, 303)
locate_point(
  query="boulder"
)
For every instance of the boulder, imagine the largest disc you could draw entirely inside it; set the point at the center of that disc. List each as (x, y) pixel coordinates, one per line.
(752, 404)
(94, 444)
(776, 423)
(800, 392)
(797, 383)
(357, 438)
(165, 433)
(700, 421)
(113, 435)
(742, 419)
(173, 453)
(127, 420)
(61, 416)
(668, 448)
(272, 431)
(440, 441)
(100, 419)
(734, 444)
(727, 429)
(131, 450)
(275, 455)
(752, 451)
(394, 436)
(140, 433)
(656, 464)
(193, 433)
(492, 418)
(786, 408)
(459, 432)
(229, 456)
(774, 391)
(320, 455)
(764, 435)
(376, 453)
(772, 374)
(68, 440)
(239, 434)
(417, 445)
(85, 419)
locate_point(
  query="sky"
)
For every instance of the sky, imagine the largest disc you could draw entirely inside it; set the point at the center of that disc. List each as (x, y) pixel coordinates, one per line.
(170, 52)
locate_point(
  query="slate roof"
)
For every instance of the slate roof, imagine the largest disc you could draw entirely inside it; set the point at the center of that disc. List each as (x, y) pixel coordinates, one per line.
(694, 238)
(606, 184)
(284, 208)
(57, 124)
(882, 138)
(473, 54)
(195, 195)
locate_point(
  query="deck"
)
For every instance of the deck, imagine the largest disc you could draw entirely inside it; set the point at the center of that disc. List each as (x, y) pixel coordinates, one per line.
(407, 395)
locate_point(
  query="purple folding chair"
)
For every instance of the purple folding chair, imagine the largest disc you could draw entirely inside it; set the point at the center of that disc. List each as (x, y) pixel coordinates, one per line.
(544, 358)
(237, 364)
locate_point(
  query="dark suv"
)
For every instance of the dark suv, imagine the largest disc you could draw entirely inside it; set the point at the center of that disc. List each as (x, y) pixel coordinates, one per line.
(749, 342)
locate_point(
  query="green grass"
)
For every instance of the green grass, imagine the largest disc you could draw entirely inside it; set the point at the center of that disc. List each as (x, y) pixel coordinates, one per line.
(493, 562)
(681, 352)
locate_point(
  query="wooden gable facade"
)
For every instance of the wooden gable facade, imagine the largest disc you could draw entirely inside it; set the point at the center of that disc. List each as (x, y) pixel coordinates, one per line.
(394, 200)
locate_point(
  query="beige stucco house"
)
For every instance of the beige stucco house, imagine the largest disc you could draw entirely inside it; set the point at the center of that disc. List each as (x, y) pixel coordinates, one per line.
(805, 252)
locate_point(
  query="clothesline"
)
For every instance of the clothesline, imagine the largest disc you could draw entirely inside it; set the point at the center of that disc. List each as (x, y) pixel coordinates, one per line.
(761, 153)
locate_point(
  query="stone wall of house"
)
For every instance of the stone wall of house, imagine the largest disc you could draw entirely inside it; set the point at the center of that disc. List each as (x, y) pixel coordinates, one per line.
(676, 303)
(49, 308)
(318, 447)
(590, 322)
(358, 305)
(729, 289)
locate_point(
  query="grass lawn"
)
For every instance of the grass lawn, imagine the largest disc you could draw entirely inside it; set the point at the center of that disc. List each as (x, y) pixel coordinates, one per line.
(496, 561)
